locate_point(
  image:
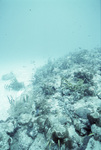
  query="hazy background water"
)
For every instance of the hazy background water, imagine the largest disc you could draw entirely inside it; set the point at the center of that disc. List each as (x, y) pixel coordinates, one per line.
(38, 29)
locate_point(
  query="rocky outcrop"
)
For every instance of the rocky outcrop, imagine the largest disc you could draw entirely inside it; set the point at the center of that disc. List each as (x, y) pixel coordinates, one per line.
(63, 109)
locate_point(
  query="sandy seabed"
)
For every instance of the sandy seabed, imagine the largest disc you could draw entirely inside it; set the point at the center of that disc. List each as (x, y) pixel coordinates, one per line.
(23, 73)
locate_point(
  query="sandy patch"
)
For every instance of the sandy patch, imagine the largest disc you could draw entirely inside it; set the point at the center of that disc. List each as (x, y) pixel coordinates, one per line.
(23, 73)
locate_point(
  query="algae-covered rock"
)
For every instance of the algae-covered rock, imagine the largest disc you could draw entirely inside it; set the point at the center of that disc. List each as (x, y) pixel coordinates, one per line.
(4, 140)
(93, 117)
(8, 76)
(82, 112)
(24, 119)
(15, 85)
(21, 140)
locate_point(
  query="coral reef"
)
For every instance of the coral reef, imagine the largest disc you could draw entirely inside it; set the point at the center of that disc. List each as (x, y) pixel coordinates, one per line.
(62, 111)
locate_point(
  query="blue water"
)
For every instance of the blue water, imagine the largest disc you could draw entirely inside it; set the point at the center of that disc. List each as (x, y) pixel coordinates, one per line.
(39, 29)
